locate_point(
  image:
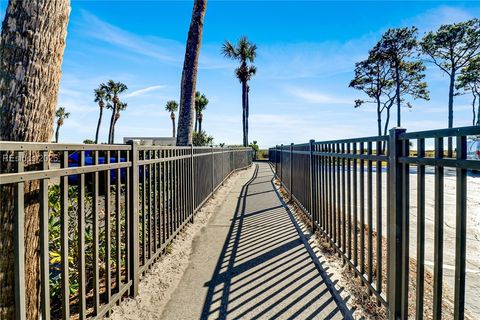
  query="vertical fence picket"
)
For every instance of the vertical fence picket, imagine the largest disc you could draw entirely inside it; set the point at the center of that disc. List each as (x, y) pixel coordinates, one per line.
(19, 242)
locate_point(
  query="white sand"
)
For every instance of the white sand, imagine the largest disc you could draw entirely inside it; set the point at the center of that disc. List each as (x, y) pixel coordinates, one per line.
(159, 283)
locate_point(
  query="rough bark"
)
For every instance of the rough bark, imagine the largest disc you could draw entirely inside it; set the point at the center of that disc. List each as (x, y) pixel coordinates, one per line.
(244, 112)
(31, 52)
(196, 122)
(98, 125)
(247, 113)
(112, 124)
(173, 124)
(57, 132)
(189, 74)
(200, 125)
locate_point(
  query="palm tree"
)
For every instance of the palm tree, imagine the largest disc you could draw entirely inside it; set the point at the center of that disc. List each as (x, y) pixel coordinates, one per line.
(244, 52)
(172, 107)
(113, 89)
(200, 105)
(189, 74)
(28, 97)
(61, 116)
(100, 96)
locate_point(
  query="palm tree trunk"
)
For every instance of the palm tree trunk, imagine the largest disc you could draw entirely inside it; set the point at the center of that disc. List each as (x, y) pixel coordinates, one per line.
(244, 113)
(196, 122)
(200, 126)
(173, 126)
(189, 74)
(56, 133)
(28, 96)
(247, 112)
(98, 125)
(112, 124)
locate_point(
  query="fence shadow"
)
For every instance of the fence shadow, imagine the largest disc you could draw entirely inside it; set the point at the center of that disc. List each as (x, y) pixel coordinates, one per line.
(264, 270)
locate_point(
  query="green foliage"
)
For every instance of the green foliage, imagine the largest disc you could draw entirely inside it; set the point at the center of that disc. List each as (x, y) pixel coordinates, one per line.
(255, 148)
(201, 102)
(201, 139)
(452, 46)
(171, 106)
(245, 51)
(88, 141)
(391, 73)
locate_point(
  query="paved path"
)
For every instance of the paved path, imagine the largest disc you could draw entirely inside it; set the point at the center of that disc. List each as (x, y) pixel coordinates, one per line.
(251, 262)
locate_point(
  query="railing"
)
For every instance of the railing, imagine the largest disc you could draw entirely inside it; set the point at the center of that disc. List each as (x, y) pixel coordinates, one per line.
(107, 212)
(356, 193)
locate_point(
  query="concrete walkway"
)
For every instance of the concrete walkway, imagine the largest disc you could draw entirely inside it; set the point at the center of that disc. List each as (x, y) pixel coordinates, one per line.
(252, 262)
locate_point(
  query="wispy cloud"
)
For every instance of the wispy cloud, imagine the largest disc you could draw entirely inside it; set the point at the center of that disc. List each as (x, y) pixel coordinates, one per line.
(316, 97)
(143, 91)
(163, 50)
(432, 19)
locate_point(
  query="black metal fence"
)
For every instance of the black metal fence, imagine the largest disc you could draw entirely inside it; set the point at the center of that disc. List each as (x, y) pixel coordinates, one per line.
(357, 194)
(107, 212)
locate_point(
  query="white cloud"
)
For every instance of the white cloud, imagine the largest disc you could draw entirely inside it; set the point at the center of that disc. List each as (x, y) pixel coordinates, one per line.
(432, 19)
(317, 97)
(160, 49)
(143, 91)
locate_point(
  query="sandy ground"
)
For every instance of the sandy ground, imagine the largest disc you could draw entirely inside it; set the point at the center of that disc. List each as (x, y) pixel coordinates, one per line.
(160, 282)
(473, 232)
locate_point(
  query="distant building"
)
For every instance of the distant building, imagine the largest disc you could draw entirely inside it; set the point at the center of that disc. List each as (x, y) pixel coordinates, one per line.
(152, 141)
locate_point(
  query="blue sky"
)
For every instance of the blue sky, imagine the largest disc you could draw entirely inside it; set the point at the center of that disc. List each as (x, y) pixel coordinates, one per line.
(306, 55)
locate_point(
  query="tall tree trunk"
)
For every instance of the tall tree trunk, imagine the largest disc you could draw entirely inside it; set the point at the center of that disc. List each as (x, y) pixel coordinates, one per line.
(31, 53)
(98, 125)
(112, 124)
(196, 122)
(450, 110)
(189, 74)
(244, 112)
(397, 83)
(173, 124)
(57, 133)
(200, 125)
(385, 131)
(115, 119)
(247, 112)
(478, 112)
(473, 109)
(379, 117)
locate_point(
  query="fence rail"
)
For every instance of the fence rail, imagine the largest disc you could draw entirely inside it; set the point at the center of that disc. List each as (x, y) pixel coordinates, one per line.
(356, 193)
(106, 213)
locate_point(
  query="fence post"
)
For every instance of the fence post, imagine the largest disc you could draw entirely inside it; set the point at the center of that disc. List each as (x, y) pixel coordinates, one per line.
(312, 187)
(290, 173)
(281, 165)
(223, 165)
(276, 161)
(192, 182)
(213, 169)
(134, 219)
(395, 225)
